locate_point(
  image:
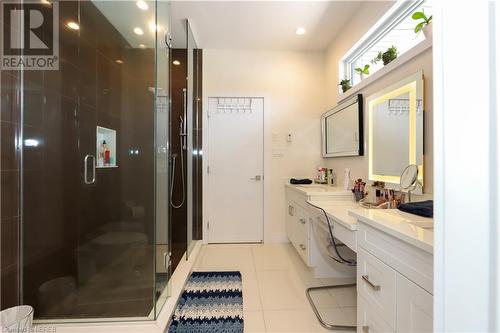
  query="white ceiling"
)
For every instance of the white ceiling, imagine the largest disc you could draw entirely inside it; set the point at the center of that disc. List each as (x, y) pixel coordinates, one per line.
(262, 25)
(268, 25)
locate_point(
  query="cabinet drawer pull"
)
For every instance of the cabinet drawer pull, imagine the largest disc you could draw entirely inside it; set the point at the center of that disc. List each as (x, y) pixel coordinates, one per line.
(366, 329)
(367, 280)
(302, 246)
(303, 221)
(290, 210)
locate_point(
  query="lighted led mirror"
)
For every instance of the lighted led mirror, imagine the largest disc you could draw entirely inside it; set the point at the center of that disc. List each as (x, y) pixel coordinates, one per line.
(396, 131)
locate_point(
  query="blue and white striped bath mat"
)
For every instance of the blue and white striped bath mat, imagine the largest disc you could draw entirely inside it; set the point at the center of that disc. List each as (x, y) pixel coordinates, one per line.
(212, 302)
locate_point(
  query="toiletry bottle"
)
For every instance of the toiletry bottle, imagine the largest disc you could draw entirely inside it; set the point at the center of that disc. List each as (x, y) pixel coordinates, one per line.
(100, 154)
(334, 177)
(347, 179)
(107, 153)
(321, 175)
(328, 176)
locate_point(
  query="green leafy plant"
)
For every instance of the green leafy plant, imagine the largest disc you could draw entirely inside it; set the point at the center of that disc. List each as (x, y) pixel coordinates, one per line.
(421, 16)
(387, 56)
(345, 84)
(364, 70)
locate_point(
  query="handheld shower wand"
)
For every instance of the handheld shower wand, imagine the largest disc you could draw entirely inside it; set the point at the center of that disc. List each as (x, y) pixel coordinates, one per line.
(183, 121)
(182, 147)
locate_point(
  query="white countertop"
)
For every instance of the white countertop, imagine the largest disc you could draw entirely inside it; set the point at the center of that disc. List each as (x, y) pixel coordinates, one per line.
(409, 228)
(338, 211)
(320, 189)
(399, 224)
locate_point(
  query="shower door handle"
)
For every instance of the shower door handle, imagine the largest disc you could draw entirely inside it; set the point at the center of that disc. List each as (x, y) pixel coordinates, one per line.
(86, 169)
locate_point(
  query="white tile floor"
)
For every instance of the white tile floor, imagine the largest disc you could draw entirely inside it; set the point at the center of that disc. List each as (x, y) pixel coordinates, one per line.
(274, 282)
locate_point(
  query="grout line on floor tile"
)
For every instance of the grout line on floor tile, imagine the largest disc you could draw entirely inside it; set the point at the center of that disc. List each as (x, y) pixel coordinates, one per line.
(258, 288)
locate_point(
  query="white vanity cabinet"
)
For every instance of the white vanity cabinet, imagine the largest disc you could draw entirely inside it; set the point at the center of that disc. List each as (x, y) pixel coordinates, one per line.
(298, 216)
(414, 307)
(297, 228)
(394, 281)
(297, 224)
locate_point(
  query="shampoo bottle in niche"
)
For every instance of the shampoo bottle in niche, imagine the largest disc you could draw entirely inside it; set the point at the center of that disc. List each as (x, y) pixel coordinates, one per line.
(100, 154)
(347, 179)
(107, 153)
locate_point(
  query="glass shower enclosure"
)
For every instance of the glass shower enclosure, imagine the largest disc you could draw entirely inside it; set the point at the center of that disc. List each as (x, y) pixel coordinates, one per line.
(90, 161)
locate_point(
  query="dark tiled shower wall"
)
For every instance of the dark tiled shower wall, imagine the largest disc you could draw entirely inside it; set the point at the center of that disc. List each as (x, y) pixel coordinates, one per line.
(61, 110)
(178, 215)
(9, 166)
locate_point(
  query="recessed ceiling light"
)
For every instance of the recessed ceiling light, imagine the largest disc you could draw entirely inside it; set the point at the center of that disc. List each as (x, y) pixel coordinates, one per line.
(45, 2)
(176, 62)
(142, 5)
(119, 61)
(73, 25)
(142, 46)
(300, 31)
(138, 31)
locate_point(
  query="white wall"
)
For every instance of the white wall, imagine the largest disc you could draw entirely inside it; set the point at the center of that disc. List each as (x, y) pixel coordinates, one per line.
(365, 18)
(292, 84)
(298, 87)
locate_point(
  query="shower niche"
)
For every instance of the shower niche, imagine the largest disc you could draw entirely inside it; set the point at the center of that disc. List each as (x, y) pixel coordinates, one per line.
(106, 147)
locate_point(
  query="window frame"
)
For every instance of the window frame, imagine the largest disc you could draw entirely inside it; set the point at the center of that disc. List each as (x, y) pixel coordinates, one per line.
(397, 13)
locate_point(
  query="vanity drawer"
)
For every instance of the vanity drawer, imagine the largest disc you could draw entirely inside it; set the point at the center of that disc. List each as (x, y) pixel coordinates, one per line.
(412, 262)
(302, 246)
(303, 223)
(368, 321)
(376, 282)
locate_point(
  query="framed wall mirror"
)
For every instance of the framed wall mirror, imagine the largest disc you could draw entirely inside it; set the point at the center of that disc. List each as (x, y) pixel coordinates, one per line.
(396, 131)
(342, 129)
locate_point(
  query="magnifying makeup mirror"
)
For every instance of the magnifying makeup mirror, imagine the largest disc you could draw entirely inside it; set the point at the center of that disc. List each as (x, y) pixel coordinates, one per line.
(409, 179)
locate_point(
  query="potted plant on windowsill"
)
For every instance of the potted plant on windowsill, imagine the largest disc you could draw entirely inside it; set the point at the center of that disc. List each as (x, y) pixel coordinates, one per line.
(425, 25)
(345, 84)
(363, 71)
(387, 56)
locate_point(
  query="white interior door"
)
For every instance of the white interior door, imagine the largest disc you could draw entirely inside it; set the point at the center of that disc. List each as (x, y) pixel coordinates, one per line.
(235, 170)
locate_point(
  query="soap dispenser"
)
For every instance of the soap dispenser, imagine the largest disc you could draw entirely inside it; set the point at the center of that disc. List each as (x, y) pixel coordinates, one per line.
(347, 179)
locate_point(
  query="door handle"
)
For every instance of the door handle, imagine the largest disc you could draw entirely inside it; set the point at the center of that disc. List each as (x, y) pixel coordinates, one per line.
(86, 169)
(371, 284)
(366, 329)
(257, 178)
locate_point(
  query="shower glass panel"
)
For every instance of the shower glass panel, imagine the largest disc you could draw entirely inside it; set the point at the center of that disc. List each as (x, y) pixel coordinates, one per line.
(94, 199)
(178, 145)
(162, 108)
(194, 138)
(191, 45)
